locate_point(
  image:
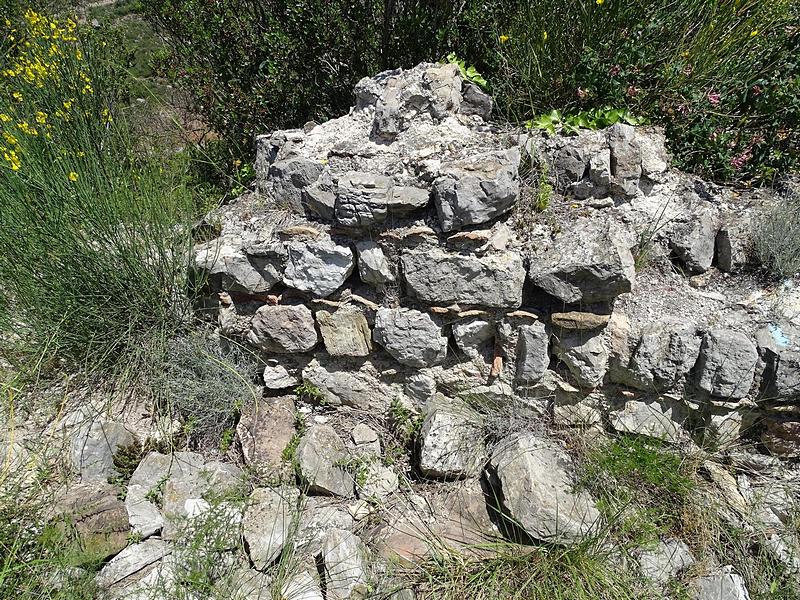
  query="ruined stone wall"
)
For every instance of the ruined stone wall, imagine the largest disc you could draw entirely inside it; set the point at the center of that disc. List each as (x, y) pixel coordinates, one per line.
(393, 254)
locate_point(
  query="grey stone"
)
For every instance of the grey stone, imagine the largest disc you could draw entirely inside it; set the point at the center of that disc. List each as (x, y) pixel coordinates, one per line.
(132, 560)
(734, 245)
(693, 242)
(724, 585)
(665, 561)
(344, 557)
(475, 101)
(573, 408)
(435, 276)
(342, 386)
(585, 355)
(230, 268)
(626, 158)
(451, 443)
(727, 364)
(779, 346)
(301, 586)
(290, 177)
(363, 434)
(98, 517)
(277, 377)
(579, 321)
(406, 199)
(472, 335)
(781, 437)
(283, 329)
(476, 190)
(533, 356)
(345, 332)
(320, 456)
(318, 517)
(589, 261)
(536, 477)
(444, 82)
(319, 199)
(373, 267)
(420, 387)
(666, 352)
(410, 336)
(93, 447)
(362, 199)
(660, 418)
(267, 523)
(379, 483)
(319, 268)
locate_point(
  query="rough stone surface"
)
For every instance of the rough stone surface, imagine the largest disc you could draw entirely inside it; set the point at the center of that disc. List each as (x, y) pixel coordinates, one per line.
(665, 353)
(345, 332)
(379, 483)
(278, 377)
(410, 336)
(93, 448)
(132, 560)
(660, 418)
(319, 457)
(665, 561)
(727, 364)
(99, 517)
(343, 386)
(589, 261)
(319, 268)
(472, 335)
(779, 346)
(536, 481)
(451, 443)
(283, 329)
(580, 321)
(533, 355)
(585, 355)
(373, 266)
(230, 268)
(477, 189)
(694, 241)
(267, 523)
(734, 245)
(264, 430)
(782, 437)
(439, 277)
(302, 586)
(290, 177)
(725, 585)
(362, 199)
(344, 557)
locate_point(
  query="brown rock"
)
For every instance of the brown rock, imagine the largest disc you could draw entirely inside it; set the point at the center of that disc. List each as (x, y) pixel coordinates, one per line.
(264, 431)
(782, 438)
(99, 517)
(345, 332)
(575, 320)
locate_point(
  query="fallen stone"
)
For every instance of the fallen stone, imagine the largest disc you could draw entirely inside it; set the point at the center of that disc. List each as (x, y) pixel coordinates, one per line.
(345, 332)
(572, 408)
(439, 277)
(586, 357)
(277, 377)
(727, 364)
(378, 483)
(404, 200)
(451, 444)
(410, 336)
(93, 447)
(320, 457)
(779, 346)
(579, 321)
(694, 241)
(318, 517)
(476, 190)
(301, 586)
(267, 523)
(664, 562)
(533, 355)
(724, 585)
(626, 156)
(344, 557)
(660, 418)
(132, 560)
(319, 268)
(264, 431)
(98, 517)
(319, 199)
(290, 177)
(373, 267)
(734, 246)
(535, 478)
(589, 261)
(362, 199)
(283, 329)
(363, 434)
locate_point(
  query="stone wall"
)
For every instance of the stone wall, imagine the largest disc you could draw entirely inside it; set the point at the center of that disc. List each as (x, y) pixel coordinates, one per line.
(393, 254)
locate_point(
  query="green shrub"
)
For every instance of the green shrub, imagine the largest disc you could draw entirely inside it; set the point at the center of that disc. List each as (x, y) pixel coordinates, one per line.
(95, 245)
(722, 77)
(776, 236)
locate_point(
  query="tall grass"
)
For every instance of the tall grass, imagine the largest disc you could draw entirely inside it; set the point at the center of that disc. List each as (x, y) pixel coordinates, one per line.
(94, 234)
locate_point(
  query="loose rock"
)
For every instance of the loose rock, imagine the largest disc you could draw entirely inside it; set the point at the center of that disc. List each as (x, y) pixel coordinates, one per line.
(345, 332)
(321, 456)
(267, 523)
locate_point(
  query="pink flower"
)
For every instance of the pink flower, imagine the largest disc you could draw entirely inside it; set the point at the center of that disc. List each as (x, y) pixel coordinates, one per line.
(683, 109)
(615, 70)
(756, 90)
(582, 93)
(740, 160)
(714, 97)
(632, 91)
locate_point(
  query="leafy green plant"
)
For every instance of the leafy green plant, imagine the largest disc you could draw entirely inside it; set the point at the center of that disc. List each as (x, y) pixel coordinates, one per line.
(544, 189)
(597, 118)
(470, 73)
(308, 392)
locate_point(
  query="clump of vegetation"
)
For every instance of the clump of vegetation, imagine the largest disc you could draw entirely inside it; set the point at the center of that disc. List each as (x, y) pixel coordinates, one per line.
(308, 392)
(205, 383)
(776, 236)
(289, 453)
(99, 275)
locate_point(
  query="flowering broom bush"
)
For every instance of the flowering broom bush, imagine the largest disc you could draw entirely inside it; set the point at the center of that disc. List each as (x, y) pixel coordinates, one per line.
(93, 254)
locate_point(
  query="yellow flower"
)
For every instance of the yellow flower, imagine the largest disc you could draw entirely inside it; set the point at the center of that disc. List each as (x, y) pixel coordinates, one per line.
(41, 117)
(599, 2)
(73, 176)
(4, 118)
(87, 89)
(754, 33)
(504, 38)
(11, 139)
(106, 115)
(79, 54)
(68, 104)
(544, 36)
(12, 159)
(25, 128)
(17, 96)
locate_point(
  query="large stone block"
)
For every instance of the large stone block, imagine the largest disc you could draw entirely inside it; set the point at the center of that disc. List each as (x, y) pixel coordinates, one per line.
(362, 199)
(451, 443)
(319, 268)
(727, 364)
(289, 177)
(438, 277)
(410, 336)
(283, 329)
(533, 355)
(345, 332)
